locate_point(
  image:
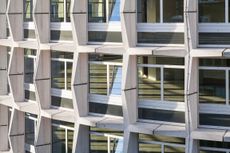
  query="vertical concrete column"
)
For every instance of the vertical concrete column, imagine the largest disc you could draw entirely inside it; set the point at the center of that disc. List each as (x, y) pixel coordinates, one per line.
(80, 101)
(15, 19)
(3, 19)
(43, 139)
(4, 146)
(191, 73)
(41, 16)
(3, 71)
(129, 99)
(17, 132)
(128, 23)
(16, 74)
(79, 21)
(43, 96)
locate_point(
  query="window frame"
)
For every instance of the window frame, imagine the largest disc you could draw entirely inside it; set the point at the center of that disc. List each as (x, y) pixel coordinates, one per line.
(29, 147)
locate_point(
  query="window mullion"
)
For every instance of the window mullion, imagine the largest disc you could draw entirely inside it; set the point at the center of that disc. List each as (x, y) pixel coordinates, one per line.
(107, 10)
(227, 86)
(66, 141)
(162, 83)
(161, 11)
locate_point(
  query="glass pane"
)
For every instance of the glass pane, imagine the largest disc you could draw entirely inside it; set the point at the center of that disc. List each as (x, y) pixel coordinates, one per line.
(115, 79)
(171, 149)
(63, 55)
(149, 148)
(29, 131)
(173, 11)
(68, 10)
(70, 134)
(164, 139)
(58, 74)
(209, 151)
(212, 11)
(212, 86)
(160, 60)
(58, 140)
(116, 145)
(114, 10)
(148, 11)
(29, 69)
(98, 79)
(98, 144)
(215, 62)
(149, 83)
(69, 74)
(174, 85)
(97, 11)
(215, 144)
(57, 10)
(28, 7)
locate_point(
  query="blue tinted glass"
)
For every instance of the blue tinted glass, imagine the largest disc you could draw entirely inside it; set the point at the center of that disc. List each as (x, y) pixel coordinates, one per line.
(114, 9)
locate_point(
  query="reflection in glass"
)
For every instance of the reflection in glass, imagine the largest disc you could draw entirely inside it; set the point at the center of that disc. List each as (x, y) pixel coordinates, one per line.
(149, 83)
(212, 11)
(114, 10)
(212, 86)
(57, 74)
(69, 74)
(29, 62)
(148, 11)
(173, 11)
(174, 85)
(97, 11)
(28, 8)
(58, 140)
(29, 131)
(57, 9)
(115, 78)
(173, 149)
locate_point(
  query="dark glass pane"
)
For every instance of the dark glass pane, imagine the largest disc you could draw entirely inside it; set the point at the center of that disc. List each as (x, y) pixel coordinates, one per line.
(163, 139)
(61, 102)
(97, 11)
(30, 95)
(173, 11)
(28, 8)
(61, 35)
(212, 11)
(57, 11)
(149, 148)
(160, 60)
(214, 62)
(215, 144)
(29, 69)
(105, 109)
(57, 74)
(148, 11)
(114, 10)
(68, 10)
(149, 83)
(212, 86)
(105, 58)
(29, 131)
(174, 85)
(64, 55)
(70, 135)
(205, 151)
(171, 149)
(215, 119)
(214, 38)
(69, 74)
(58, 140)
(101, 36)
(29, 33)
(160, 37)
(161, 115)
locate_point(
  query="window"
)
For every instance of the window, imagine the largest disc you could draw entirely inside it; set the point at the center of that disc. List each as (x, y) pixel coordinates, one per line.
(60, 10)
(30, 131)
(103, 10)
(105, 73)
(61, 70)
(214, 81)
(214, 147)
(106, 141)
(161, 79)
(62, 137)
(160, 144)
(28, 9)
(29, 65)
(213, 11)
(160, 11)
